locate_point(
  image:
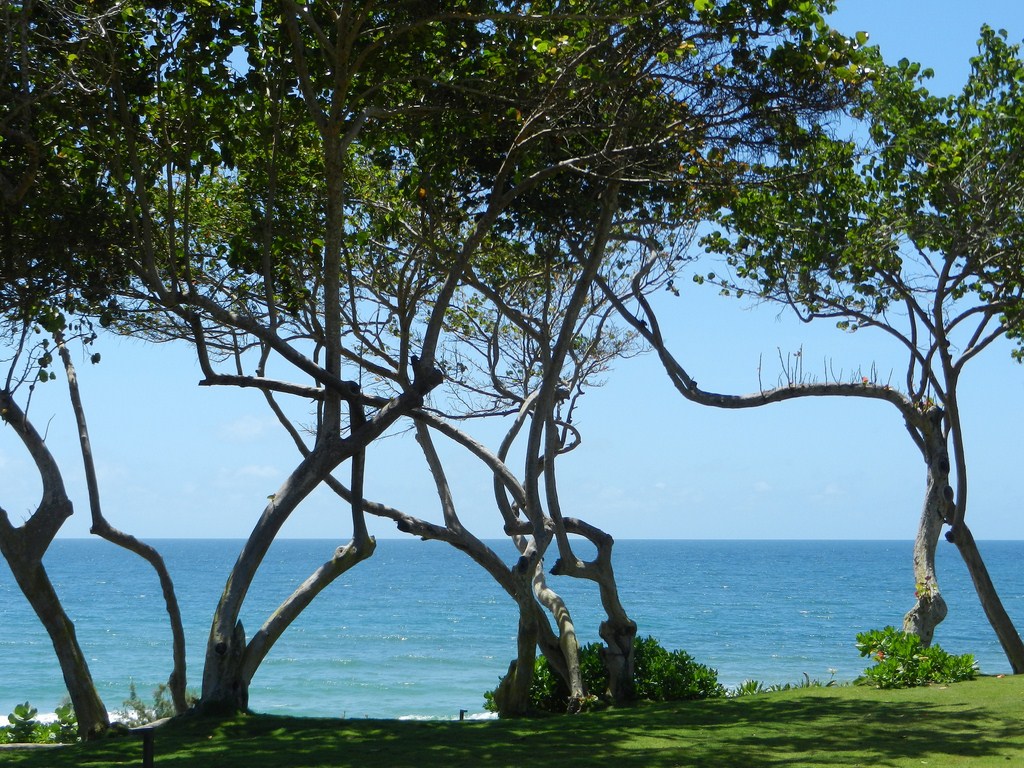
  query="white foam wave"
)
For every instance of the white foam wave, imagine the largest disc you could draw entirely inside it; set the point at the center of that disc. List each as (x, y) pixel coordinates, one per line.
(467, 716)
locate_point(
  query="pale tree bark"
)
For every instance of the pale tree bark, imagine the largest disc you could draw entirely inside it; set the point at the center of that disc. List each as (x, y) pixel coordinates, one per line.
(930, 608)
(567, 640)
(561, 649)
(618, 630)
(24, 547)
(523, 581)
(997, 616)
(101, 527)
(926, 427)
(360, 548)
(959, 533)
(227, 674)
(512, 695)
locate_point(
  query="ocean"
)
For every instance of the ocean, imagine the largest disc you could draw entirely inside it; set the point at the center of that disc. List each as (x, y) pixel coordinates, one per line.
(420, 631)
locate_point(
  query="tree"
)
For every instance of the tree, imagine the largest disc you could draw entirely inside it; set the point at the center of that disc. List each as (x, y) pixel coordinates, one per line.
(395, 258)
(682, 98)
(271, 295)
(912, 234)
(518, 309)
(23, 548)
(272, 298)
(677, 112)
(51, 287)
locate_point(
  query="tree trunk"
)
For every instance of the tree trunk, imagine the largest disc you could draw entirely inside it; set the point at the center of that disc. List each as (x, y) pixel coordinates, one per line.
(568, 645)
(618, 660)
(225, 686)
(38, 589)
(618, 631)
(24, 547)
(512, 696)
(939, 508)
(1012, 646)
(930, 609)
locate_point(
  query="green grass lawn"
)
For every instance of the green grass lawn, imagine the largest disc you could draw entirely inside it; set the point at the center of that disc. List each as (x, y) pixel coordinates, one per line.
(980, 723)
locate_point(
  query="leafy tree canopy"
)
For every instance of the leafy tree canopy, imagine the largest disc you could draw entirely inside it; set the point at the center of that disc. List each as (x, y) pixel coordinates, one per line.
(920, 210)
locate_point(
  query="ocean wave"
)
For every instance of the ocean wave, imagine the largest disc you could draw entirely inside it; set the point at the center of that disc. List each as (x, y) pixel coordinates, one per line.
(437, 718)
(48, 718)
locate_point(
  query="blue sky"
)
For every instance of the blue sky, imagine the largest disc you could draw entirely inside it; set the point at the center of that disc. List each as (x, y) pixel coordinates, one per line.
(177, 460)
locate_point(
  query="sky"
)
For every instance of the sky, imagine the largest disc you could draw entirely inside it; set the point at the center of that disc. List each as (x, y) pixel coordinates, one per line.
(176, 460)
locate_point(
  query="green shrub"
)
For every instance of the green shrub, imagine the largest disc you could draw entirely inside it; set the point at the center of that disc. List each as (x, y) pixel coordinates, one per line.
(24, 728)
(23, 723)
(135, 711)
(65, 730)
(901, 661)
(748, 688)
(659, 675)
(754, 687)
(663, 675)
(548, 693)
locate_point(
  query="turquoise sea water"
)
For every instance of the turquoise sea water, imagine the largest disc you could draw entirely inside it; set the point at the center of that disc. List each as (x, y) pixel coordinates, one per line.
(420, 631)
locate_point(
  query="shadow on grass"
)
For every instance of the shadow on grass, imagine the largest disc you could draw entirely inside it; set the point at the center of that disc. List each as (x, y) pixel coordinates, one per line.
(810, 729)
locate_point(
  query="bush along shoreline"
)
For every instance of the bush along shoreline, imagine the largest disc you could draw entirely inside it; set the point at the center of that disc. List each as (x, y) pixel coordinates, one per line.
(27, 726)
(660, 675)
(903, 661)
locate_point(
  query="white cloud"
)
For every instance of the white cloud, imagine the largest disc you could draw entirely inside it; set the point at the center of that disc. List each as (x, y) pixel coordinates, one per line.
(244, 429)
(260, 471)
(112, 472)
(247, 479)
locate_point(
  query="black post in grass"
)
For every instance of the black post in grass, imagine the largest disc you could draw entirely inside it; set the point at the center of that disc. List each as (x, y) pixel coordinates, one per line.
(147, 747)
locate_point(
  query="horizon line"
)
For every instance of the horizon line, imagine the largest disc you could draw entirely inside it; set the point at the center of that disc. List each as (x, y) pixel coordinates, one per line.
(499, 538)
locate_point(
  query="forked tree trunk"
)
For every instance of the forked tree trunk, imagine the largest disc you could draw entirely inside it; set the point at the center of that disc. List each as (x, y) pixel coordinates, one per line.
(512, 696)
(24, 547)
(939, 508)
(225, 686)
(930, 609)
(34, 582)
(618, 631)
(617, 654)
